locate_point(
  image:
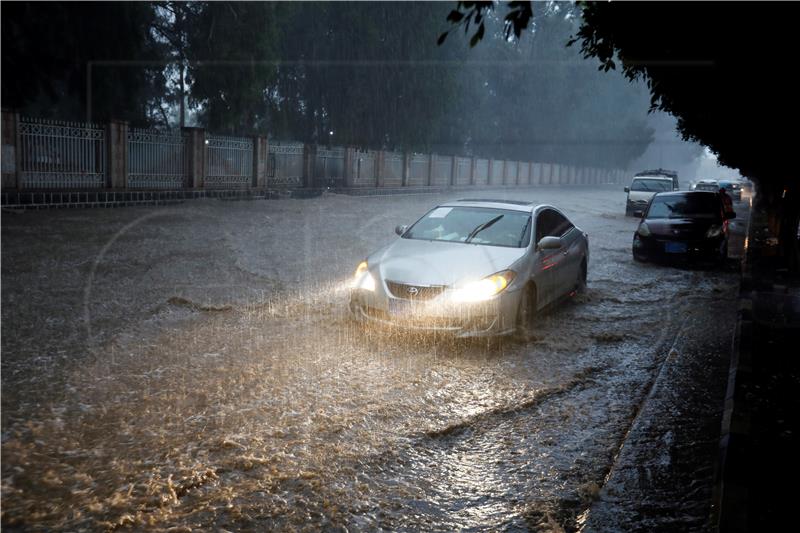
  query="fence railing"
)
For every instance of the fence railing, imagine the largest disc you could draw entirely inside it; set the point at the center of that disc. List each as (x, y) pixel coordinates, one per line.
(50, 155)
(56, 155)
(157, 160)
(229, 161)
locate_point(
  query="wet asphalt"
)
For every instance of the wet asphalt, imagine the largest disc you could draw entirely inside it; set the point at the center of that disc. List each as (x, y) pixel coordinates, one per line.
(195, 367)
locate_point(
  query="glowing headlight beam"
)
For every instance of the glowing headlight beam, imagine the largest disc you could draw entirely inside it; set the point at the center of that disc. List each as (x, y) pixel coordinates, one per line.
(362, 278)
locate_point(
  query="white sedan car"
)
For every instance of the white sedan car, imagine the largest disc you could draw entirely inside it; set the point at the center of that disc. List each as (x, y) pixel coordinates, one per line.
(472, 268)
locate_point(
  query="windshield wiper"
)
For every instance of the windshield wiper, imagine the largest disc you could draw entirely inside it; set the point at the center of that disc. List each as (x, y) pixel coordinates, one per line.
(482, 227)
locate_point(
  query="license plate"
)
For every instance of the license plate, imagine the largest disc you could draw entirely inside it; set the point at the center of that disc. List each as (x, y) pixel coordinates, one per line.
(401, 308)
(675, 247)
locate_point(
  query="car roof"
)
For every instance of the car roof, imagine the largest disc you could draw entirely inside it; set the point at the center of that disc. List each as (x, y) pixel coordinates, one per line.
(513, 205)
(656, 172)
(683, 193)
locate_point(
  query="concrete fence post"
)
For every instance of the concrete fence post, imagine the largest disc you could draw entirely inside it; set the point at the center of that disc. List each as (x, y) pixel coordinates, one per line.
(117, 155)
(406, 168)
(472, 171)
(380, 177)
(431, 167)
(505, 172)
(9, 136)
(453, 170)
(260, 155)
(196, 150)
(349, 160)
(309, 158)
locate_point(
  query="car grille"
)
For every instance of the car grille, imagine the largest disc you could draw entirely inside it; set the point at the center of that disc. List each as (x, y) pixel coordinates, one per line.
(414, 292)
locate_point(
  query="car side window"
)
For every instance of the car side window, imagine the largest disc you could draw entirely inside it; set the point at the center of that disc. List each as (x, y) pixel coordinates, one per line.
(560, 225)
(544, 224)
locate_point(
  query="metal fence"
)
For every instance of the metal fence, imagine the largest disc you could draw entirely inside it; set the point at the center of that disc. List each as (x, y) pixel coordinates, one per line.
(329, 167)
(285, 164)
(364, 172)
(44, 154)
(392, 169)
(157, 160)
(61, 155)
(229, 161)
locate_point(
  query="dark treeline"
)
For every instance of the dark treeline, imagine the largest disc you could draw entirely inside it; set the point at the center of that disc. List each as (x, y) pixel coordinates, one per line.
(371, 73)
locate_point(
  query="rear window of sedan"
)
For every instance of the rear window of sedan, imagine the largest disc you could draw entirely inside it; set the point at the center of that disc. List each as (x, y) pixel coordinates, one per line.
(651, 185)
(474, 225)
(685, 206)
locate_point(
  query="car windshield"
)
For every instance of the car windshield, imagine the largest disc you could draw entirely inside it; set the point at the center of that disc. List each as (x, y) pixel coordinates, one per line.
(685, 206)
(474, 225)
(651, 185)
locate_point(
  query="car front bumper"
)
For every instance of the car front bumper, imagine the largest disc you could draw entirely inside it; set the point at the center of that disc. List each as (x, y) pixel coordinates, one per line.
(493, 317)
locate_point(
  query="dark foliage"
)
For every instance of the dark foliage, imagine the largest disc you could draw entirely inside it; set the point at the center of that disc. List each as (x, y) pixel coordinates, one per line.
(70, 60)
(725, 71)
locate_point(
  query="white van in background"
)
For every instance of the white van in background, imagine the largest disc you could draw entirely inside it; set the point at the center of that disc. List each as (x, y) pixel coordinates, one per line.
(642, 188)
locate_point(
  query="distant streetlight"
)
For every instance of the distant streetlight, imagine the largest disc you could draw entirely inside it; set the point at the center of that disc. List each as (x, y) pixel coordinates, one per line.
(330, 132)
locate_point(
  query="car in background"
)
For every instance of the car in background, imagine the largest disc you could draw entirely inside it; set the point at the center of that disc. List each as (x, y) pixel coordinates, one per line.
(706, 185)
(642, 189)
(734, 188)
(661, 173)
(472, 268)
(689, 225)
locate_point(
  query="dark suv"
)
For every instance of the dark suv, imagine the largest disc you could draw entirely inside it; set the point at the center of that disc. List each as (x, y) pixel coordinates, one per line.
(685, 225)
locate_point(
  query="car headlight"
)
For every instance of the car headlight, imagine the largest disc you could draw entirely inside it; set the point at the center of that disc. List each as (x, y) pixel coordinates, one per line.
(643, 230)
(485, 288)
(714, 231)
(363, 279)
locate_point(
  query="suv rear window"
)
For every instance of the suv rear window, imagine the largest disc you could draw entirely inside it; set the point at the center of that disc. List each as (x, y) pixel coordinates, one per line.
(651, 185)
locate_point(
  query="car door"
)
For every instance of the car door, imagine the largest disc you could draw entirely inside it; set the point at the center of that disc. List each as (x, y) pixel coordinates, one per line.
(567, 271)
(546, 261)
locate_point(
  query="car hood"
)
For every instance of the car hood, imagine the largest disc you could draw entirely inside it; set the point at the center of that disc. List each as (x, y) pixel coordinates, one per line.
(685, 228)
(424, 262)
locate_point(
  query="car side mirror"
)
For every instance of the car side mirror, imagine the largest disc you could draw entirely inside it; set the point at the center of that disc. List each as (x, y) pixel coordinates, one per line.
(400, 229)
(730, 214)
(627, 189)
(549, 243)
(638, 214)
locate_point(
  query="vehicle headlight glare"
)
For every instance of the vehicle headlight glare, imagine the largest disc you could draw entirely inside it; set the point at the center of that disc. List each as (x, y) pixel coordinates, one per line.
(485, 288)
(643, 230)
(363, 279)
(714, 231)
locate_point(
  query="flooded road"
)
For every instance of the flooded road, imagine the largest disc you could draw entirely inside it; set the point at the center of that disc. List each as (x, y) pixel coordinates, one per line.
(195, 367)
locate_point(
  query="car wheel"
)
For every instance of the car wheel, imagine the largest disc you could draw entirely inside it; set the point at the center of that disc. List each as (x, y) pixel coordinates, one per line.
(723, 255)
(638, 258)
(525, 313)
(580, 286)
(628, 212)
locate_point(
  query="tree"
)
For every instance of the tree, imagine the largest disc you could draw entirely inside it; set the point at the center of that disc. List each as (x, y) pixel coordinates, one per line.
(233, 64)
(725, 72)
(79, 60)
